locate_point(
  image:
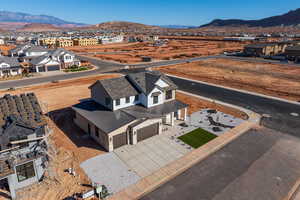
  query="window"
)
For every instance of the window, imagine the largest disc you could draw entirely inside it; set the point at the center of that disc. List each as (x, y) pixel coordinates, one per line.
(117, 102)
(25, 171)
(155, 99)
(136, 98)
(96, 131)
(107, 101)
(127, 99)
(168, 94)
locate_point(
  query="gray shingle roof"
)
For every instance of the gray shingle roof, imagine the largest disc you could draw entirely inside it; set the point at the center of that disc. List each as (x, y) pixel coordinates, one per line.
(36, 49)
(103, 118)
(36, 60)
(147, 80)
(159, 110)
(109, 121)
(118, 87)
(13, 62)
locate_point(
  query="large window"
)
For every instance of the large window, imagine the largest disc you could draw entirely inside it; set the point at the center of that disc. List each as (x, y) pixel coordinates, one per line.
(168, 94)
(117, 102)
(127, 99)
(25, 171)
(155, 99)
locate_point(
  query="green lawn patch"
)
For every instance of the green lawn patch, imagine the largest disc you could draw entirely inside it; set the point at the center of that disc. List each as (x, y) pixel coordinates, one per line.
(197, 138)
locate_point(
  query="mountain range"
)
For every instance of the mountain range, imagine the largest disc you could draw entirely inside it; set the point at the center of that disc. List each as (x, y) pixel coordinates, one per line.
(6, 16)
(292, 18)
(28, 22)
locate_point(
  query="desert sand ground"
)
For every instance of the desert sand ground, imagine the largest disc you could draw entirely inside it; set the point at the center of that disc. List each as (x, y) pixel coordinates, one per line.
(174, 49)
(270, 79)
(67, 139)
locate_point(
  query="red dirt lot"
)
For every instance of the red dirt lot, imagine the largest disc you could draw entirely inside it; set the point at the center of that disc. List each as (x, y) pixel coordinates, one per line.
(174, 49)
(270, 79)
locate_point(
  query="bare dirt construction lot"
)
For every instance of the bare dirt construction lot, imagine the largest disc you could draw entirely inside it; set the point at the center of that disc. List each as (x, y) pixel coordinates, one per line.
(173, 49)
(69, 142)
(271, 79)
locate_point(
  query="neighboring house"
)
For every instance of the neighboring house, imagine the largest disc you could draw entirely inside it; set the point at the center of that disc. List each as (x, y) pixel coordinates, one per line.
(9, 66)
(53, 60)
(19, 50)
(23, 156)
(85, 41)
(129, 109)
(110, 40)
(32, 52)
(61, 42)
(293, 53)
(261, 49)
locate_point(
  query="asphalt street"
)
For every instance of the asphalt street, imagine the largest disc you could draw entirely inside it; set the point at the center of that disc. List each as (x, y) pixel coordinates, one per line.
(259, 165)
(280, 112)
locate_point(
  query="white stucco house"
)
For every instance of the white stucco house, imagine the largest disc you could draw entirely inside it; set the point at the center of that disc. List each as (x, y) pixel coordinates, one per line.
(129, 109)
(9, 66)
(53, 60)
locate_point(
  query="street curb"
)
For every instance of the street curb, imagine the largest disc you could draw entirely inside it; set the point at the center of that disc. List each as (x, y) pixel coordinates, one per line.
(150, 183)
(238, 90)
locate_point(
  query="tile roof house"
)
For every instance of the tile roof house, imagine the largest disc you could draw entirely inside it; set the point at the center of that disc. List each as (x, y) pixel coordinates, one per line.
(129, 109)
(22, 149)
(9, 66)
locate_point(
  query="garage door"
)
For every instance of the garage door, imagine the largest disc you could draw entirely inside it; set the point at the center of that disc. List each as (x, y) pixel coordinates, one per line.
(147, 132)
(42, 69)
(53, 68)
(119, 140)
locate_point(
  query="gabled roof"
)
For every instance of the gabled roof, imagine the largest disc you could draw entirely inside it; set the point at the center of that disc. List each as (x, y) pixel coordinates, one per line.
(13, 62)
(147, 80)
(38, 59)
(36, 49)
(103, 118)
(118, 87)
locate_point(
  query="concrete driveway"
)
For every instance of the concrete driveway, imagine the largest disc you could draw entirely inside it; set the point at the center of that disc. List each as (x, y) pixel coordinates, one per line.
(109, 170)
(151, 154)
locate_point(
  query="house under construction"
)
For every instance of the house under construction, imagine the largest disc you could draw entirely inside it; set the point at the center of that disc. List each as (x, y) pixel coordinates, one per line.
(23, 150)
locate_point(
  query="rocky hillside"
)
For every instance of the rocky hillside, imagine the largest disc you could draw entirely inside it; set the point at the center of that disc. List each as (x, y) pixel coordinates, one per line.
(122, 25)
(291, 18)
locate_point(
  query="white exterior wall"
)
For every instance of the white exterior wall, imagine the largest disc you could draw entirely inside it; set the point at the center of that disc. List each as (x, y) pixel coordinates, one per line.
(161, 98)
(36, 53)
(123, 103)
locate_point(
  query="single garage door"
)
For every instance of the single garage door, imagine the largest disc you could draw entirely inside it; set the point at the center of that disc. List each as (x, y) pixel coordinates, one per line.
(147, 132)
(53, 67)
(42, 69)
(119, 140)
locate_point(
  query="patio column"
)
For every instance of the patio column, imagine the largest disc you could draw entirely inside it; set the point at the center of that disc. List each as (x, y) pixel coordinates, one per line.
(185, 114)
(172, 119)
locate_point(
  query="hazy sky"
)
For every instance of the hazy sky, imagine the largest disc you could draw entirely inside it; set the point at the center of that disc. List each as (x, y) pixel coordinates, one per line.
(154, 12)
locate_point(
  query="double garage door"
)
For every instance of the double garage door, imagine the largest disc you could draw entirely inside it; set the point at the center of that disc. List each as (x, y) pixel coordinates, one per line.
(53, 67)
(142, 134)
(147, 132)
